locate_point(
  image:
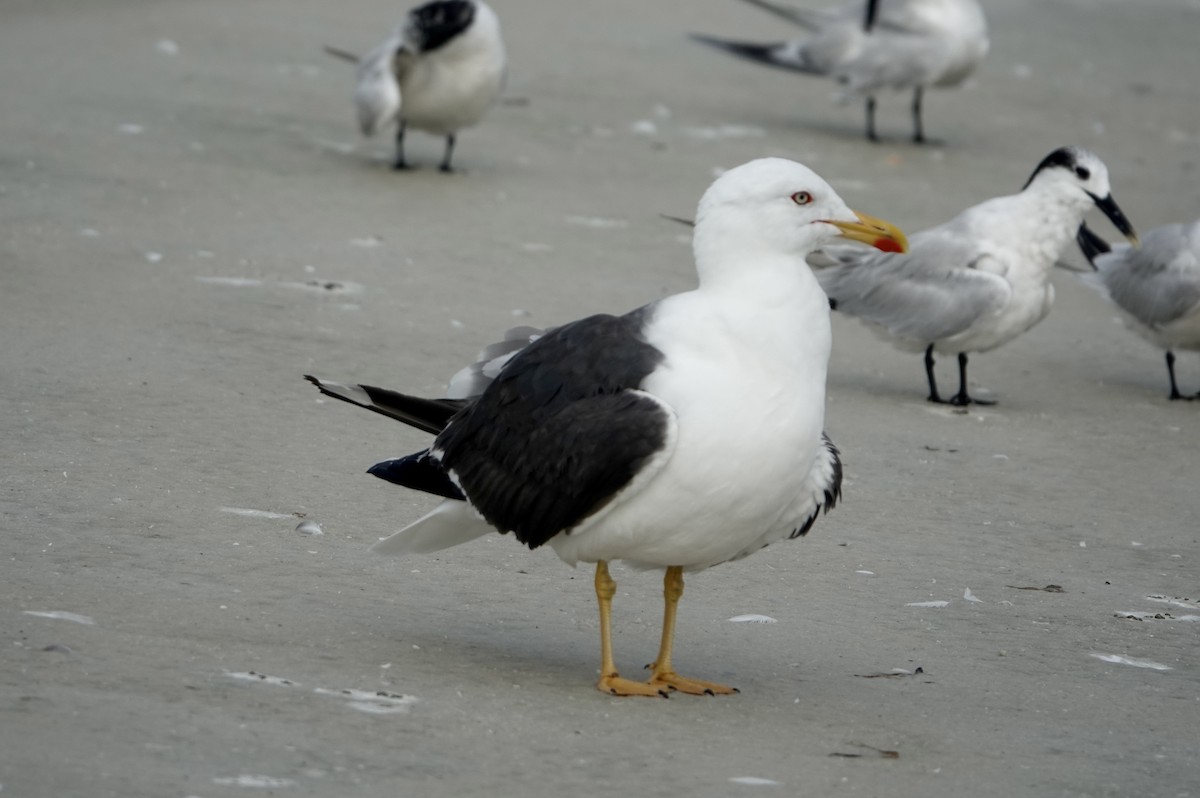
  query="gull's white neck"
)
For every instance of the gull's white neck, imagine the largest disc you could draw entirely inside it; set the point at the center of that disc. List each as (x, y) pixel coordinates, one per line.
(770, 298)
(733, 261)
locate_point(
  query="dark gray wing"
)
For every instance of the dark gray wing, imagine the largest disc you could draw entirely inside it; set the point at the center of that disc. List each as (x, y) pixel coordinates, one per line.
(561, 430)
(420, 471)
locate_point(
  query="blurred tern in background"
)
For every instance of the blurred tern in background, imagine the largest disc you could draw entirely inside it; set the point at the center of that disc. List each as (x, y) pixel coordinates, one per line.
(877, 45)
(1156, 286)
(439, 72)
(981, 279)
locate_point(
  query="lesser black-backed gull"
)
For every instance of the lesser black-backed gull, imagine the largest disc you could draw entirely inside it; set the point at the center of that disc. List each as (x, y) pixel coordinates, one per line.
(683, 434)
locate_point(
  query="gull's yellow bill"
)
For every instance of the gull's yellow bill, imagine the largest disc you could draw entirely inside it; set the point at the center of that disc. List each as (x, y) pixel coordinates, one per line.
(882, 235)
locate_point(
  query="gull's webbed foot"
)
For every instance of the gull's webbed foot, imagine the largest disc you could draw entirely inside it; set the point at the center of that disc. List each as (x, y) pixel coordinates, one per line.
(673, 681)
(613, 684)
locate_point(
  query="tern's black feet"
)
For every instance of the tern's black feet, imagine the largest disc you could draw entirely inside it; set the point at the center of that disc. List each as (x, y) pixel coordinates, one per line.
(401, 166)
(960, 400)
(449, 155)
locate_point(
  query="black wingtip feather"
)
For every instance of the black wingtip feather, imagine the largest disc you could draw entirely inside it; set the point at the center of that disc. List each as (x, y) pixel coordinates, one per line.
(418, 471)
(430, 415)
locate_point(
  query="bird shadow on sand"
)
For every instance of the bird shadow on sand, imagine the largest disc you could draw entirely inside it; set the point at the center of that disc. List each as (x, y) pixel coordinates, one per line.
(556, 652)
(515, 656)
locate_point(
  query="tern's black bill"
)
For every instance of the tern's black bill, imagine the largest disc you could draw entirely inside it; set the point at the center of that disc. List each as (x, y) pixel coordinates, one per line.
(1091, 244)
(1115, 215)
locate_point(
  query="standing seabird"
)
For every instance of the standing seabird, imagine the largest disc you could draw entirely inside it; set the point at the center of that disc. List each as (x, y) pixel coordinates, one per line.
(982, 278)
(440, 72)
(876, 46)
(1156, 286)
(683, 434)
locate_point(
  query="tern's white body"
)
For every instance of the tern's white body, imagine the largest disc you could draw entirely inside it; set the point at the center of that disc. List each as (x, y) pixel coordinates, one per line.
(977, 281)
(439, 91)
(870, 46)
(914, 43)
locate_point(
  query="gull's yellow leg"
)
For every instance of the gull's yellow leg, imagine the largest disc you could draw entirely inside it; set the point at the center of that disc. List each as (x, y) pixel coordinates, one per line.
(610, 681)
(663, 673)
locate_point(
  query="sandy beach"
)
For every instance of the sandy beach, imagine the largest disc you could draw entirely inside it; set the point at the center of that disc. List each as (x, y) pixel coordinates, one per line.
(190, 223)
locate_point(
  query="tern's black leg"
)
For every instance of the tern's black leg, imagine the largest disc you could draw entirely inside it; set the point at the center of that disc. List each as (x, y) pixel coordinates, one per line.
(871, 120)
(918, 127)
(1175, 394)
(934, 396)
(962, 398)
(446, 167)
(400, 163)
(872, 15)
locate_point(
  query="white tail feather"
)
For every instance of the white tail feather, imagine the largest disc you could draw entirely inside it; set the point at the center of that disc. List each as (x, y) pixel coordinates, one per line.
(452, 522)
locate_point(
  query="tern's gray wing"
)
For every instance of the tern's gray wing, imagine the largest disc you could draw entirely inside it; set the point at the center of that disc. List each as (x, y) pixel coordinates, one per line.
(919, 43)
(913, 16)
(470, 381)
(896, 61)
(1159, 282)
(815, 57)
(936, 290)
(377, 93)
(899, 17)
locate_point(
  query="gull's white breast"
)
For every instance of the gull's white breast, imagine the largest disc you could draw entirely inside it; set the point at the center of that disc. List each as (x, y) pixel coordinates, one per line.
(748, 391)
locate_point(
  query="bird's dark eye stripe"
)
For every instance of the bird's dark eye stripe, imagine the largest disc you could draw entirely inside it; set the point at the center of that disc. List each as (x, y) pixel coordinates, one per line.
(1082, 172)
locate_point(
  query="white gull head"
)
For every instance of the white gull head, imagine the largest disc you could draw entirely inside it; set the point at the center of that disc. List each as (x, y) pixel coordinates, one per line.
(771, 207)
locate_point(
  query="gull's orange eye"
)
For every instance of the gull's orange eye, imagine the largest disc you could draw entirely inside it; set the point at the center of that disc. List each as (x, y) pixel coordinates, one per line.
(802, 198)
